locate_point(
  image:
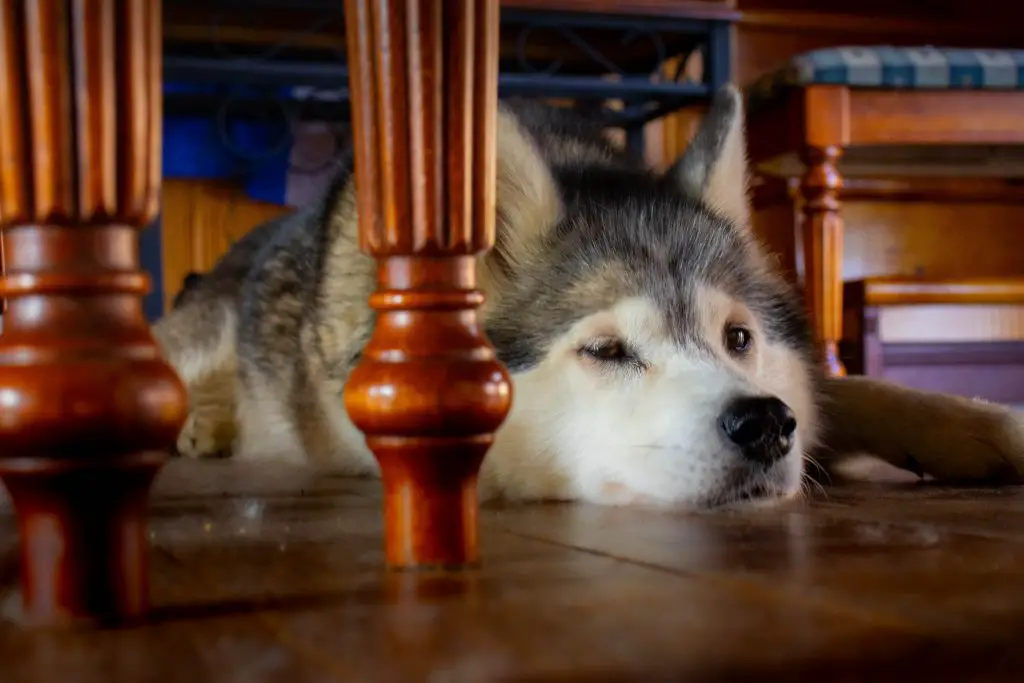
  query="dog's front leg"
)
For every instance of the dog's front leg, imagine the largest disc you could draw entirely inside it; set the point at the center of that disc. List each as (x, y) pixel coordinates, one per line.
(951, 438)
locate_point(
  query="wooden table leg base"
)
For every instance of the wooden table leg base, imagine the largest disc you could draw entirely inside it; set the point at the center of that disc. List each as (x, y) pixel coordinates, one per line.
(88, 405)
(83, 538)
(430, 501)
(429, 394)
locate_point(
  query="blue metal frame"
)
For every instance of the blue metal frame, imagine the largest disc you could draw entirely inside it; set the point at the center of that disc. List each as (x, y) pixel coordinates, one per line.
(268, 77)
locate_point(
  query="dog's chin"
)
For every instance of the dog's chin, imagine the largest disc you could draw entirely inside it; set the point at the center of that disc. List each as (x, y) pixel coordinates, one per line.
(756, 498)
(749, 489)
(756, 490)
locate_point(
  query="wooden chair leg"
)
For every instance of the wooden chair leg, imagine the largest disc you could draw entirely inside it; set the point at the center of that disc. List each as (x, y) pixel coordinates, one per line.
(429, 392)
(88, 408)
(823, 250)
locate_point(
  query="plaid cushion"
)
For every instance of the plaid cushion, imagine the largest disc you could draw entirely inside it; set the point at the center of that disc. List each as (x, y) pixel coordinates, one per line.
(880, 66)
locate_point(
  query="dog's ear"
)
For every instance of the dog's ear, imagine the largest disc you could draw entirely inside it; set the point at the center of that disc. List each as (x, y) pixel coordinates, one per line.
(527, 200)
(713, 168)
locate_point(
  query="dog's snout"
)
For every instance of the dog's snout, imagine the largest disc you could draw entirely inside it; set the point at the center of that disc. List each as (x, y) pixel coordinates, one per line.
(761, 426)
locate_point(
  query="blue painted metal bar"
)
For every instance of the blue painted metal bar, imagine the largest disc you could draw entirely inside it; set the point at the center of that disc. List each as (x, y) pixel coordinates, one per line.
(332, 77)
(718, 62)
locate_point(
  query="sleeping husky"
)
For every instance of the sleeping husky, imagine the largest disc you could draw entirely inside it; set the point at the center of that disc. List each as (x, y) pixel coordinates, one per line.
(657, 355)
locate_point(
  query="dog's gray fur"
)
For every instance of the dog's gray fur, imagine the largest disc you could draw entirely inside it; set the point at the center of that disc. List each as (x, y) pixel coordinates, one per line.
(586, 237)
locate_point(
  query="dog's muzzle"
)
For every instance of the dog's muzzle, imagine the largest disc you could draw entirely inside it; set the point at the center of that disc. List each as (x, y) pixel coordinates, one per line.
(762, 428)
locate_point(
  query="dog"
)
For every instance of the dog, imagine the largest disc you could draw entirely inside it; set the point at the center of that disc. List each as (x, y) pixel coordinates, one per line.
(657, 354)
(190, 280)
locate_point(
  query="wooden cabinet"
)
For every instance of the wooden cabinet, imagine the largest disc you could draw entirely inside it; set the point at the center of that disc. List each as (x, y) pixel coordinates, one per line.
(201, 219)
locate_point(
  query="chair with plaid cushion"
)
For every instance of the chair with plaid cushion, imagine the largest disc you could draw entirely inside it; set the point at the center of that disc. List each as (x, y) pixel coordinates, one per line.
(825, 103)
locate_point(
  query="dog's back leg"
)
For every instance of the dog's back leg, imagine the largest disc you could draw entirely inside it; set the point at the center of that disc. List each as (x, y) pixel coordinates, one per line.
(198, 339)
(951, 438)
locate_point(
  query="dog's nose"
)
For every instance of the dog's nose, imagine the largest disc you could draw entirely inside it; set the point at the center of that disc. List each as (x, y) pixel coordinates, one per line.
(762, 427)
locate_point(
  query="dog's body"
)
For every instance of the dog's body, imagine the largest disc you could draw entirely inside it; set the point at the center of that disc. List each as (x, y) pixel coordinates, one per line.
(656, 354)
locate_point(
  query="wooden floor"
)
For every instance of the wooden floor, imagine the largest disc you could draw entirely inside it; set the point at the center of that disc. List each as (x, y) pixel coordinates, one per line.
(264, 575)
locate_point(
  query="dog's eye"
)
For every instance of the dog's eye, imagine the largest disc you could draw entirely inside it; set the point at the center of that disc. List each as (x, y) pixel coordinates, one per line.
(738, 339)
(609, 351)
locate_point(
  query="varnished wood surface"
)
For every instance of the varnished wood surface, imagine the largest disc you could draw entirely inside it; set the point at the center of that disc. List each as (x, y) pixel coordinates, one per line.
(271, 574)
(428, 392)
(896, 291)
(88, 407)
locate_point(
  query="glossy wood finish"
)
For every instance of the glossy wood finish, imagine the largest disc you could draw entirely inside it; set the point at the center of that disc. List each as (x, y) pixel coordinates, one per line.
(822, 122)
(428, 392)
(88, 408)
(822, 231)
(905, 291)
(3, 301)
(272, 574)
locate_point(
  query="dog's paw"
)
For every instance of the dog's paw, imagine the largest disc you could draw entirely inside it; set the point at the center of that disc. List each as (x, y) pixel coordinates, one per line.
(202, 438)
(983, 444)
(1000, 445)
(951, 438)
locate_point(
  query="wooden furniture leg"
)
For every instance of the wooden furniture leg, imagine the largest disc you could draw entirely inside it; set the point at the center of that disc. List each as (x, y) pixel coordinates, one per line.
(823, 250)
(3, 301)
(429, 392)
(88, 408)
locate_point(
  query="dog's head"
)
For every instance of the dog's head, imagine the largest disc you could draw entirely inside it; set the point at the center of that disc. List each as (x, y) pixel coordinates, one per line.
(656, 355)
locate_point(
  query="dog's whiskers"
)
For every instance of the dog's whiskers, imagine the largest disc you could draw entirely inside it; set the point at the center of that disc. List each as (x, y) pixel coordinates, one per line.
(808, 484)
(809, 487)
(810, 460)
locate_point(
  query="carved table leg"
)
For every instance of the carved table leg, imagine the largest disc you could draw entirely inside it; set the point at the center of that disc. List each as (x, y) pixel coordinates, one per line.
(3, 301)
(429, 392)
(88, 409)
(823, 251)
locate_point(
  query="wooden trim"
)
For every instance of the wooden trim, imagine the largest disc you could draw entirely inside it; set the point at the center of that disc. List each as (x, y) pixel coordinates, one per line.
(905, 291)
(915, 117)
(823, 115)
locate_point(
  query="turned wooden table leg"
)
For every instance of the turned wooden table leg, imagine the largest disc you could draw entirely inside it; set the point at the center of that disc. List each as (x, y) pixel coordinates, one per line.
(823, 250)
(88, 409)
(429, 392)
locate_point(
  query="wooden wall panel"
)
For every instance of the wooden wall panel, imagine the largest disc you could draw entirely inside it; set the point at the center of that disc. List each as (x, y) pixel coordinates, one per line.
(200, 221)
